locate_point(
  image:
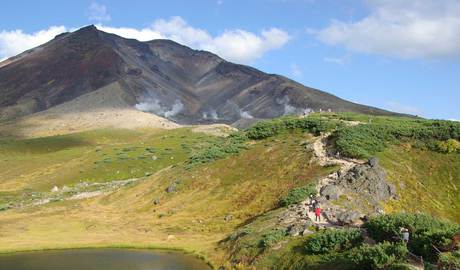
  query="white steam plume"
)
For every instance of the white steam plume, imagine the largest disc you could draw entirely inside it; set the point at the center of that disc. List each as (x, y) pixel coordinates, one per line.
(153, 105)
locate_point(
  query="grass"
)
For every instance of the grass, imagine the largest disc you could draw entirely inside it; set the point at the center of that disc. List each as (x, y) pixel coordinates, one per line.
(242, 185)
(95, 156)
(245, 181)
(426, 181)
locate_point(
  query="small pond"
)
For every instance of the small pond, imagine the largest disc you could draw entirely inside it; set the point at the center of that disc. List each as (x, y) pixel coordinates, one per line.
(101, 259)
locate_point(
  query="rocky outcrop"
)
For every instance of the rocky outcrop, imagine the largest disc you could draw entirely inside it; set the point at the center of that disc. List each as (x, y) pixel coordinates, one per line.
(350, 195)
(296, 220)
(347, 197)
(364, 181)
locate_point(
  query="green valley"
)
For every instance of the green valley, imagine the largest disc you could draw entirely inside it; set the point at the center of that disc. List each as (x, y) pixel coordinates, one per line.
(228, 199)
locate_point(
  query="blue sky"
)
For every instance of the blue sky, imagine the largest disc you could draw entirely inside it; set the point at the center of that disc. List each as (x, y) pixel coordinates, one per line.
(400, 55)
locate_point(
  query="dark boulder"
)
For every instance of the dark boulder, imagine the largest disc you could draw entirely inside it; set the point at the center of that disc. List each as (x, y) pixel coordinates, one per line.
(348, 217)
(373, 162)
(171, 188)
(368, 182)
(330, 192)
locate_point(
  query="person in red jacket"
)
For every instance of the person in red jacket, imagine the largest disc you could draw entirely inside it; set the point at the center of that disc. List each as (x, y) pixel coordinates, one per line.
(318, 213)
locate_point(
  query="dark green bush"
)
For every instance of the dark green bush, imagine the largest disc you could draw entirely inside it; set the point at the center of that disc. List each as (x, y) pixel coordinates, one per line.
(223, 147)
(298, 195)
(380, 256)
(426, 232)
(362, 141)
(333, 241)
(449, 260)
(273, 237)
(274, 127)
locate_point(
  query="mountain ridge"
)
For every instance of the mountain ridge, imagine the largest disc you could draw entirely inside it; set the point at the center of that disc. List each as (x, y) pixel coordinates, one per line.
(166, 78)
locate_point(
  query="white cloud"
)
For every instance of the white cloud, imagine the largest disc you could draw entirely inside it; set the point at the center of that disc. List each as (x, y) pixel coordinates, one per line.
(98, 12)
(234, 45)
(402, 108)
(456, 120)
(139, 34)
(16, 41)
(296, 71)
(403, 28)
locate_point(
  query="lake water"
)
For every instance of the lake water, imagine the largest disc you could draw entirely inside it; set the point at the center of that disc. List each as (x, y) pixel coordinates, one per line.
(100, 259)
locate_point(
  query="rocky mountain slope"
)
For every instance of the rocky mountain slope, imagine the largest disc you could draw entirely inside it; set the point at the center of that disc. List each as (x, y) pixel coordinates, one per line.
(158, 76)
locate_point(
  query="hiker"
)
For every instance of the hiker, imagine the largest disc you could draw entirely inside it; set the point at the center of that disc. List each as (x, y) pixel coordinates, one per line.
(312, 203)
(405, 235)
(318, 214)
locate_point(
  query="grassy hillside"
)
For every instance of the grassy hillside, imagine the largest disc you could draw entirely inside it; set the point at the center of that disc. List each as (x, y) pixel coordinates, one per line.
(210, 201)
(37, 165)
(426, 181)
(195, 190)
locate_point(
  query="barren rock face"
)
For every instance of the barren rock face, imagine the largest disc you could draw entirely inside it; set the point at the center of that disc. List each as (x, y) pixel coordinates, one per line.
(368, 180)
(164, 77)
(359, 192)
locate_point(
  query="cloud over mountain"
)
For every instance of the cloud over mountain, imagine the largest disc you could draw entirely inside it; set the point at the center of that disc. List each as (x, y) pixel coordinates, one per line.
(235, 45)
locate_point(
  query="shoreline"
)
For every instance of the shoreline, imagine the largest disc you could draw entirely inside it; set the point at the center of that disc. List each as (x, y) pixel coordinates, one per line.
(180, 250)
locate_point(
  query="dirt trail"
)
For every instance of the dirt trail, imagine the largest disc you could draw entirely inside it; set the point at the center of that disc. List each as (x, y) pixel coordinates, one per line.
(324, 158)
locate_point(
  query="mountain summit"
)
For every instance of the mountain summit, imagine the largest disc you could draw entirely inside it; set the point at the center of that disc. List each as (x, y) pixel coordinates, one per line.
(158, 76)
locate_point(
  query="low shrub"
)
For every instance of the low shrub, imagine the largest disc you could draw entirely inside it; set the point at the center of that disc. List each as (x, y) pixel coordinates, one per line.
(448, 147)
(271, 128)
(298, 195)
(333, 241)
(363, 141)
(449, 260)
(240, 233)
(426, 232)
(381, 256)
(233, 144)
(273, 237)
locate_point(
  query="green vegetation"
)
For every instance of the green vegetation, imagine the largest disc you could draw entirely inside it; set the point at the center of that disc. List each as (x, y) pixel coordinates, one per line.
(380, 256)
(31, 167)
(218, 148)
(244, 179)
(271, 128)
(243, 185)
(427, 233)
(425, 181)
(365, 140)
(449, 260)
(448, 147)
(345, 248)
(298, 195)
(368, 136)
(273, 237)
(333, 241)
(373, 135)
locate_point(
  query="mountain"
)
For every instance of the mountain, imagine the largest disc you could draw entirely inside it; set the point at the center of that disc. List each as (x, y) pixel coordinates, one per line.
(158, 76)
